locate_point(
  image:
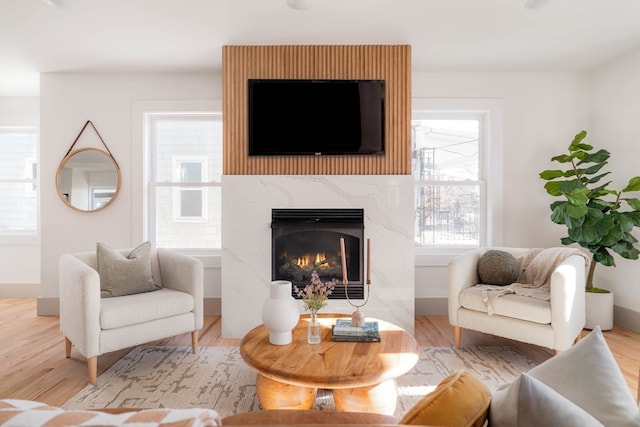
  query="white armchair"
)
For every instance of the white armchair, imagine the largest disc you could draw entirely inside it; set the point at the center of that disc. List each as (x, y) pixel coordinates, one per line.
(555, 323)
(96, 325)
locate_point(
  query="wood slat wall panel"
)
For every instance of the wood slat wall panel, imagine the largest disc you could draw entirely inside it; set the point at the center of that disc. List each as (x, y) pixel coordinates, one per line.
(389, 62)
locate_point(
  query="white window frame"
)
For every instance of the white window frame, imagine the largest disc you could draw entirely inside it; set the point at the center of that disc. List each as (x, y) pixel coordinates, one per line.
(490, 158)
(141, 216)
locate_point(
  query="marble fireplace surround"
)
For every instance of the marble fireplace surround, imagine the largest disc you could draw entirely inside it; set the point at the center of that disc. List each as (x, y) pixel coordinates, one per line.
(247, 201)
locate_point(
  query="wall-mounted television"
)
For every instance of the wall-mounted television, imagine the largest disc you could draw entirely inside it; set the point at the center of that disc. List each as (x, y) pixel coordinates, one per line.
(316, 117)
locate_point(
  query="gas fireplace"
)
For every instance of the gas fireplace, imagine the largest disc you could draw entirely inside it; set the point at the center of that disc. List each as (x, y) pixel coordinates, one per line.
(307, 240)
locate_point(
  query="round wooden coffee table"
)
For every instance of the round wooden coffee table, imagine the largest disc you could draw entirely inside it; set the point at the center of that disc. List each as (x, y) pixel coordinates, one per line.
(361, 374)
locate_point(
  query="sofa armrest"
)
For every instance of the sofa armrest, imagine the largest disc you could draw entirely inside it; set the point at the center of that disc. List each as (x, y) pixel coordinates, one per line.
(463, 273)
(79, 287)
(568, 301)
(184, 273)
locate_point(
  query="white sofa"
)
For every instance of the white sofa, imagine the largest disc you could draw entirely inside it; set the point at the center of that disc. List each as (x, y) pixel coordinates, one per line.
(555, 324)
(96, 325)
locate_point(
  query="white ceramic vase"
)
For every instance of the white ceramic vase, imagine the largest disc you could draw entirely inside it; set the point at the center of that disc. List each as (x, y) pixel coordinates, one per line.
(280, 312)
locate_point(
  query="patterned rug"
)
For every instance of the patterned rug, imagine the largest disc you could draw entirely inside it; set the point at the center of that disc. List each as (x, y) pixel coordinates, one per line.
(216, 377)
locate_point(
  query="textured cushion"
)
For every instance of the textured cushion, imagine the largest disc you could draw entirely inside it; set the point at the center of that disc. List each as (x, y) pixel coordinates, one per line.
(129, 310)
(459, 400)
(529, 403)
(498, 268)
(587, 375)
(120, 275)
(22, 413)
(514, 306)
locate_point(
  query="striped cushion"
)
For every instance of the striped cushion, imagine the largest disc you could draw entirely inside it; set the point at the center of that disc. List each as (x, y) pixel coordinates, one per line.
(15, 412)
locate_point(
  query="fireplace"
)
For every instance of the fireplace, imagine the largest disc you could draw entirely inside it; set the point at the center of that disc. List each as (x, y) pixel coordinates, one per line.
(307, 240)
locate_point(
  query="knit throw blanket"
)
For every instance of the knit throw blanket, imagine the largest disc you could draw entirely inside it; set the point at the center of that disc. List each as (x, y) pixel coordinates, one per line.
(534, 279)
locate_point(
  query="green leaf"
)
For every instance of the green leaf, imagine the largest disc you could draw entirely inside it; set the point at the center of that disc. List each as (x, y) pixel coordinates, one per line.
(593, 169)
(568, 187)
(578, 196)
(558, 212)
(567, 241)
(553, 188)
(576, 211)
(598, 178)
(634, 203)
(599, 156)
(585, 147)
(604, 257)
(626, 250)
(562, 158)
(551, 174)
(577, 139)
(633, 185)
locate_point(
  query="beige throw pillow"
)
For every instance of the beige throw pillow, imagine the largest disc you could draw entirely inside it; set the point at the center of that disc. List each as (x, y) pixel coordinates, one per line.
(125, 275)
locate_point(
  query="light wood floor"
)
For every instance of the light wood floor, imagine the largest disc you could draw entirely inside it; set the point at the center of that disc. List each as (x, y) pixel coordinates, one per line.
(33, 366)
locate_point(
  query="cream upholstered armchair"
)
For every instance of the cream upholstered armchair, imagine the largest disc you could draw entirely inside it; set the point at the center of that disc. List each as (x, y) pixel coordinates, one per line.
(96, 324)
(549, 312)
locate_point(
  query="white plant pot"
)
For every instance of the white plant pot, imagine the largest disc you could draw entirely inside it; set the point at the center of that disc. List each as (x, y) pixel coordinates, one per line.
(280, 312)
(599, 310)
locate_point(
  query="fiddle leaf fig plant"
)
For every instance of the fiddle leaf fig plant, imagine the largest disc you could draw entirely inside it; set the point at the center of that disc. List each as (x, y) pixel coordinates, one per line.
(597, 218)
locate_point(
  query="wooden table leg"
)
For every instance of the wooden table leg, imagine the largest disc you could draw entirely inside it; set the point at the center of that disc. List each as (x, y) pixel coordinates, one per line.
(381, 398)
(276, 395)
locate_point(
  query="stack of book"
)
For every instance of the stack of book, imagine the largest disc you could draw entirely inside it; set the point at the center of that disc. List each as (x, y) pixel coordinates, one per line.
(343, 331)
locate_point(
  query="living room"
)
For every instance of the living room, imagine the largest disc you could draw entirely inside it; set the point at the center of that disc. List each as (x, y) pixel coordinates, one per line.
(541, 105)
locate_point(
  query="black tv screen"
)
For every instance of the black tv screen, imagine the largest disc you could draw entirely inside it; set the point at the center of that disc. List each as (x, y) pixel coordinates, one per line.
(316, 117)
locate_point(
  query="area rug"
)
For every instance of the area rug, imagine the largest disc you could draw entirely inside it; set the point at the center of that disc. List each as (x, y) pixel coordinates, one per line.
(216, 377)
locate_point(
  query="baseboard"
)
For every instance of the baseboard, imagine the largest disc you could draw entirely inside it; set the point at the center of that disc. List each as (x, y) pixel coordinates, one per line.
(626, 318)
(432, 307)
(213, 306)
(48, 306)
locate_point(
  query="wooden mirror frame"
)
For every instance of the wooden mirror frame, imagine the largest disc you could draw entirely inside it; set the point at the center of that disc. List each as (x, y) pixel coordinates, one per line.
(108, 164)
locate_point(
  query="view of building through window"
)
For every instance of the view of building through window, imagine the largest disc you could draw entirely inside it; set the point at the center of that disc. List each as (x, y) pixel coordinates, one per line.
(446, 170)
(18, 181)
(186, 171)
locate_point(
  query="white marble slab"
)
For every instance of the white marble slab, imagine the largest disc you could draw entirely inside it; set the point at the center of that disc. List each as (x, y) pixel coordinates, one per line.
(247, 201)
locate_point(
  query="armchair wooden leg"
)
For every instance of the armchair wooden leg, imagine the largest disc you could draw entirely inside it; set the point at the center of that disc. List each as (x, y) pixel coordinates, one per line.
(457, 333)
(194, 342)
(92, 363)
(67, 347)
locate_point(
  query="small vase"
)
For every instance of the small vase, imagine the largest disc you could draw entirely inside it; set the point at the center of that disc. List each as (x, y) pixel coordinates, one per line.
(313, 330)
(280, 312)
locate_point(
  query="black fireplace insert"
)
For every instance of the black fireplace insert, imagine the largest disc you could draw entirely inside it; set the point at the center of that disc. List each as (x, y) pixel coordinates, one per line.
(308, 240)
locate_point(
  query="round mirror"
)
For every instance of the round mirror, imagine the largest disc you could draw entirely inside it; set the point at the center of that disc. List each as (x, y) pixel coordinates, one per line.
(88, 179)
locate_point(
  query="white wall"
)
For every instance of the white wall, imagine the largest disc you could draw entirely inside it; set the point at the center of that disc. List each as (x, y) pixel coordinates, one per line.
(67, 101)
(615, 106)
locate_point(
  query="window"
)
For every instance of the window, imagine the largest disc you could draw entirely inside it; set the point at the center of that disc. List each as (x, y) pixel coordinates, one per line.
(448, 181)
(18, 180)
(184, 156)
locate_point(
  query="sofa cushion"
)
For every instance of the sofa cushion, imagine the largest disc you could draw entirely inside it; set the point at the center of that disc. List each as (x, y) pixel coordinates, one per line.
(124, 275)
(587, 375)
(460, 399)
(529, 403)
(14, 412)
(128, 310)
(498, 268)
(510, 305)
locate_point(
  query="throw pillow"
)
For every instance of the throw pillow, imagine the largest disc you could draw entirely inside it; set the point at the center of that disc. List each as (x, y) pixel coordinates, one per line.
(498, 268)
(125, 275)
(587, 375)
(529, 403)
(459, 400)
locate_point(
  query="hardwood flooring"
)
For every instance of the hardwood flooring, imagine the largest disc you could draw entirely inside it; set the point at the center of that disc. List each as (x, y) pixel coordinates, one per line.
(33, 365)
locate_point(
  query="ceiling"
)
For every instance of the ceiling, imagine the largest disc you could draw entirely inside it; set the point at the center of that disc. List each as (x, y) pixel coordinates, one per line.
(39, 36)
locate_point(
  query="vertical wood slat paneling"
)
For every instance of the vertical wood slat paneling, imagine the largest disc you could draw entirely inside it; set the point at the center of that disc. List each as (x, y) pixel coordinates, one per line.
(391, 63)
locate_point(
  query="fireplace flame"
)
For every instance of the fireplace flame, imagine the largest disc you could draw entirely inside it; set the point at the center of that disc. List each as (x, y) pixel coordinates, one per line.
(307, 260)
